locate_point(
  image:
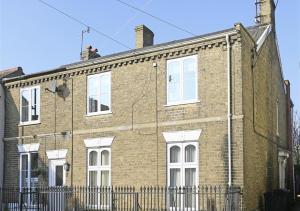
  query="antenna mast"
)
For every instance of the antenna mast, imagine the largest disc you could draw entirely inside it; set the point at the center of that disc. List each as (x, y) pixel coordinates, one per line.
(82, 33)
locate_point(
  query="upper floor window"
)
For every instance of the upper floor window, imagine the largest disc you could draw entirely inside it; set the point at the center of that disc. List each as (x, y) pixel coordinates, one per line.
(182, 80)
(99, 93)
(30, 105)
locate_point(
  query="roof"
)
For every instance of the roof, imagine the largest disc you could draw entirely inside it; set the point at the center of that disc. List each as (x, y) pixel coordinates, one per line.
(255, 31)
(12, 72)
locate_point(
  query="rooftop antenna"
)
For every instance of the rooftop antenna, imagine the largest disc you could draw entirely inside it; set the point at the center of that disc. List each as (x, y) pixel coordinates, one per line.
(82, 33)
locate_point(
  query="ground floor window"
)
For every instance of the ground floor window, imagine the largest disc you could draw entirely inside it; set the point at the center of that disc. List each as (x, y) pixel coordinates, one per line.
(182, 174)
(182, 164)
(29, 170)
(99, 177)
(99, 167)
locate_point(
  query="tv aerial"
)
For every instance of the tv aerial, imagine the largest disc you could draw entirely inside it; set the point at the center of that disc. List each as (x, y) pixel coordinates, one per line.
(62, 90)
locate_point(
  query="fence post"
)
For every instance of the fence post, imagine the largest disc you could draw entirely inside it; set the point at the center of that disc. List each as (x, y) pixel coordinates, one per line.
(136, 201)
(38, 199)
(21, 200)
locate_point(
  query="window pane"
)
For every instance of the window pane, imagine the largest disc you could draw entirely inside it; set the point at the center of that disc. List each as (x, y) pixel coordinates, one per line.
(104, 178)
(190, 181)
(93, 158)
(35, 102)
(93, 93)
(190, 176)
(93, 104)
(189, 79)
(34, 165)
(104, 158)
(174, 154)
(25, 105)
(174, 177)
(190, 152)
(24, 179)
(105, 102)
(24, 162)
(173, 81)
(105, 84)
(92, 178)
(59, 175)
(24, 172)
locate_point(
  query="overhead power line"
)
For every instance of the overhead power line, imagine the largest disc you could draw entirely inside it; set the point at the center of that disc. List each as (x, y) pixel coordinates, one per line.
(83, 23)
(155, 17)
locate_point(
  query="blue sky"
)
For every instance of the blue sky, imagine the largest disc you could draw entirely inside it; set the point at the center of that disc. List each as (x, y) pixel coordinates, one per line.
(37, 38)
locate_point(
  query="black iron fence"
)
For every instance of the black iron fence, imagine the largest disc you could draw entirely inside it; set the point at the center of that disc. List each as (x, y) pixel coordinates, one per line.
(201, 198)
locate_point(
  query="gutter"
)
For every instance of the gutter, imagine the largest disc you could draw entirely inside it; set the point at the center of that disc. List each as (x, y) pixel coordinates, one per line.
(229, 108)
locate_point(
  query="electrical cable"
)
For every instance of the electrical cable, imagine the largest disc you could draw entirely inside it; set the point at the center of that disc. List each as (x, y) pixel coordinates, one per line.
(155, 17)
(84, 24)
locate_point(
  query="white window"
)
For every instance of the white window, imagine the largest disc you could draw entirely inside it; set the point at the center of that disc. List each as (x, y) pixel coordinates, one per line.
(182, 80)
(182, 164)
(183, 173)
(30, 105)
(99, 93)
(99, 167)
(29, 170)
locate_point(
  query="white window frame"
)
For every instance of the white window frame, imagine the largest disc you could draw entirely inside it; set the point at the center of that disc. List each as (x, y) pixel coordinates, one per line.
(99, 168)
(30, 105)
(29, 169)
(182, 101)
(98, 76)
(182, 165)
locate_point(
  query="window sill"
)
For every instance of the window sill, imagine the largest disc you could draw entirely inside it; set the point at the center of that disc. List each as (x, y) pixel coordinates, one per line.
(182, 103)
(29, 123)
(98, 114)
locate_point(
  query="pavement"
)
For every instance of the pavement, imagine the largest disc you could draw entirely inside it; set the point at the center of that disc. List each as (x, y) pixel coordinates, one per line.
(296, 206)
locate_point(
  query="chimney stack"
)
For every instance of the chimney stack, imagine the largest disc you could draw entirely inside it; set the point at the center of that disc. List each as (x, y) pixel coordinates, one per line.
(89, 53)
(265, 12)
(143, 36)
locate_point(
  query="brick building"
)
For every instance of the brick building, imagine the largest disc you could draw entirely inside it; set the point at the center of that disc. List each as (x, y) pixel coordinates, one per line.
(209, 109)
(4, 74)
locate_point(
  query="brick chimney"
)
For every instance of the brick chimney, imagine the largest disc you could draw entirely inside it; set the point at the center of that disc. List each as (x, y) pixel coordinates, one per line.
(265, 12)
(89, 53)
(143, 36)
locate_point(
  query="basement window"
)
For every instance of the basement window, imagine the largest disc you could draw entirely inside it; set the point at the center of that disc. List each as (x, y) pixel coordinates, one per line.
(99, 94)
(182, 80)
(30, 105)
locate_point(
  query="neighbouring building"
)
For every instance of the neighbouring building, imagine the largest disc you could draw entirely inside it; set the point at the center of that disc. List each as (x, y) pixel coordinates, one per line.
(210, 109)
(4, 74)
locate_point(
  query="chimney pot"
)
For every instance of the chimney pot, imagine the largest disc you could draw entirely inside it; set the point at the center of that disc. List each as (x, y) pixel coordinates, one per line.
(89, 53)
(143, 36)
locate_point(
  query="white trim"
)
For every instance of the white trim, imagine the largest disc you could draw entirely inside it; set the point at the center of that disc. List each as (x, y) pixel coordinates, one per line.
(99, 168)
(181, 136)
(283, 154)
(99, 142)
(263, 37)
(181, 84)
(52, 171)
(57, 154)
(182, 165)
(23, 148)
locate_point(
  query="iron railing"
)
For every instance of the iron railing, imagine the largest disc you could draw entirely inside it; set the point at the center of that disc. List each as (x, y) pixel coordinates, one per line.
(201, 198)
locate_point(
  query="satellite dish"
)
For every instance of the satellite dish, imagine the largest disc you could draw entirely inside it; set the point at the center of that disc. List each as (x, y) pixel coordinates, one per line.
(63, 91)
(52, 87)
